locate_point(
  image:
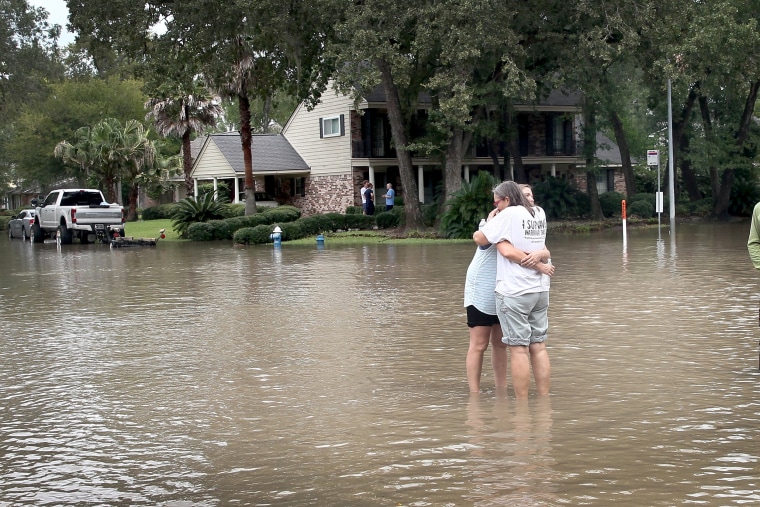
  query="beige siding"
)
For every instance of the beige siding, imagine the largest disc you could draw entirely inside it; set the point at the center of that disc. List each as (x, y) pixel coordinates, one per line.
(211, 164)
(325, 156)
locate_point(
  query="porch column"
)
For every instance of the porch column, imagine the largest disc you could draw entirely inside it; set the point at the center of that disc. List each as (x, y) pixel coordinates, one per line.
(372, 175)
(216, 194)
(195, 188)
(467, 173)
(554, 170)
(421, 184)
(237, 189)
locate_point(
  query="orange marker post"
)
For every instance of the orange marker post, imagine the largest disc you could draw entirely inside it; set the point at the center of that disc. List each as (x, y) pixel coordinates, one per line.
(625, 232)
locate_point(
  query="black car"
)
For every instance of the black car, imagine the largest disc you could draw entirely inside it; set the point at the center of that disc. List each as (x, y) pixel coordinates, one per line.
(21, 226)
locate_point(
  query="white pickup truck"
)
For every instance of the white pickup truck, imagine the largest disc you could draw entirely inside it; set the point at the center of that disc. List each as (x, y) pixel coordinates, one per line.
(80, 213)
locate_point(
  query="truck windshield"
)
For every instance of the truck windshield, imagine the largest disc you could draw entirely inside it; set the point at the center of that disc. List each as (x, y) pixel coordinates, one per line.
(81, 198)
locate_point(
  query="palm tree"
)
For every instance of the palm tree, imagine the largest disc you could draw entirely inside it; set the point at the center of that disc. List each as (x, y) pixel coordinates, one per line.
(181, 114)
(112, 152)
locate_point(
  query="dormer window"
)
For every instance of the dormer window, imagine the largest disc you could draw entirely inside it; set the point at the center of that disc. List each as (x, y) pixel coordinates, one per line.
(331, 126)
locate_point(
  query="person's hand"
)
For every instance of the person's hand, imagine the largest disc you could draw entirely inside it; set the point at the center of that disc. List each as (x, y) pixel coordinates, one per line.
(532, 259)
(493, 213)
(546, 269)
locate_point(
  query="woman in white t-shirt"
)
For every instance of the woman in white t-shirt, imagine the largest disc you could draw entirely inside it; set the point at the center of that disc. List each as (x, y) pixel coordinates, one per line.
(523, 272)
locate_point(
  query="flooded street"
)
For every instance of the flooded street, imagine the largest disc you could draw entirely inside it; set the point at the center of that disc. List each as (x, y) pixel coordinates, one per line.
(202, 375)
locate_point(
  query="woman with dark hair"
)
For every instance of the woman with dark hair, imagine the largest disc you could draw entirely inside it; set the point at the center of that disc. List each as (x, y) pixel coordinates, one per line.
(369, 196)
(523, 271)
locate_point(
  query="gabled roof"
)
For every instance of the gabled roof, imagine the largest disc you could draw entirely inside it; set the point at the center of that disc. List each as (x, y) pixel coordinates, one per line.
(608, 152)
(272, 153)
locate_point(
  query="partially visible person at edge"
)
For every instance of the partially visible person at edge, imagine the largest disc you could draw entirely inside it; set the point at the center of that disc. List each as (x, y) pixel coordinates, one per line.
(479, 300)
(523, 272)
(753, 243)
(364, 198)
(389, 195)
(369, 196)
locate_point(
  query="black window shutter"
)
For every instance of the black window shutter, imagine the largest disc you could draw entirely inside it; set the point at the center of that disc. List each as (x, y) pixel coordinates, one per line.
(321, 133)
(342, 126)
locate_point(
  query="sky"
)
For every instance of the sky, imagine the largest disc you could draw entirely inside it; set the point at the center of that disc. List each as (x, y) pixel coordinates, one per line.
(58, 14)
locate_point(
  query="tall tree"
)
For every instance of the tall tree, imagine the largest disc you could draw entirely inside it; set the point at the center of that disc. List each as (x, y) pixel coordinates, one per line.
(110, 152)
(377, 44)
(252, 47)
(182, 113)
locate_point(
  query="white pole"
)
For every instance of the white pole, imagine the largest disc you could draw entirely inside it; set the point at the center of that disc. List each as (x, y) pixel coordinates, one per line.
(671, 178)
(625, 231)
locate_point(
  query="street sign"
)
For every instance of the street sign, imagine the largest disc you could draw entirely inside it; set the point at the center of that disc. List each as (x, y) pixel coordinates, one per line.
(653, 157)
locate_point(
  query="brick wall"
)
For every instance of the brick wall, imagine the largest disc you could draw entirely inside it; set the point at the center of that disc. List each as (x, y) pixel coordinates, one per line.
(327, 194)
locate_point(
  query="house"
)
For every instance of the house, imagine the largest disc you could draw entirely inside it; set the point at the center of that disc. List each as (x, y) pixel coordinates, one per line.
(277, 168)
(322, 155)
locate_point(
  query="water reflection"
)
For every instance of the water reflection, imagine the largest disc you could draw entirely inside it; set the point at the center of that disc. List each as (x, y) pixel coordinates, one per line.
(211, 375)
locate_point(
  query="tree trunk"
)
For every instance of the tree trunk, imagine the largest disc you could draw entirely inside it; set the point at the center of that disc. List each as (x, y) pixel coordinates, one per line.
(727, 179)
(457, 145)
(589, 153)
(519, 174)
(398, 131)
(679, 132)
(244, 106)
(707, 124)
(187, 163)
(625, 154)
(134, 191)
(593, 193)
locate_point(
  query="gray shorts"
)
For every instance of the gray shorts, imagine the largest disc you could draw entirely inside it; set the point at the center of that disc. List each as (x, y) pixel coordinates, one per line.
(524, 319)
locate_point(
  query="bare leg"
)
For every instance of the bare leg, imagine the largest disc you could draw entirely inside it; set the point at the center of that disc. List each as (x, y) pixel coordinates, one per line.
(542, 370)
(498, 356)
(520, 362)
(479, 336)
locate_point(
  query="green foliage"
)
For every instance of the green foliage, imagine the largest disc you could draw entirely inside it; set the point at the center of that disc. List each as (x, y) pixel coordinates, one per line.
(387, 219)
(237, 209)
(354, 210)
(429, 214)
(257, 235)
(201, 231)
(190, 210)
(362, 222)
(160, 212)
(559, 199)
(222, 190)
(701, 208)
(292, 230)
(641, 209)
(611, 203)
(744, 193)
(467, 206)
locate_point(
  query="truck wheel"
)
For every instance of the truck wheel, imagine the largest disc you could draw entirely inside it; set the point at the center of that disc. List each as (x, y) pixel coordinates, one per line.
(84, 239)
(38, 235)
(25, 236)
(10, 232)
(64, 234)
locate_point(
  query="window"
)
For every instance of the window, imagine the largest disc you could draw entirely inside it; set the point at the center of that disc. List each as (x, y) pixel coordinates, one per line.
(298, 187)
(331, 127)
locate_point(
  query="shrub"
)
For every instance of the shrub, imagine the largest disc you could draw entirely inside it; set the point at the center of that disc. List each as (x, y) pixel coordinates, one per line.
(360, 222)
(160, 212)
(237, 209)
(641, 209)
(429, 214)
(314, 224)
(203, 209)
(467, 206)
(281, 213)
(354, 210)
(253, 235)
(560, 199)
(387, 220)
(336, 221)
(201, 231)
(611, 203)
(291, 231)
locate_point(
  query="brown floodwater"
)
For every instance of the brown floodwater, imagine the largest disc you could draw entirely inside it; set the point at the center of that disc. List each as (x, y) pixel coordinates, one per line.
(204, 374)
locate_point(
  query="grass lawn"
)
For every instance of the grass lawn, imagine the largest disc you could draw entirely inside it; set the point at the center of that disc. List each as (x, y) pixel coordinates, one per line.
(150, 228)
